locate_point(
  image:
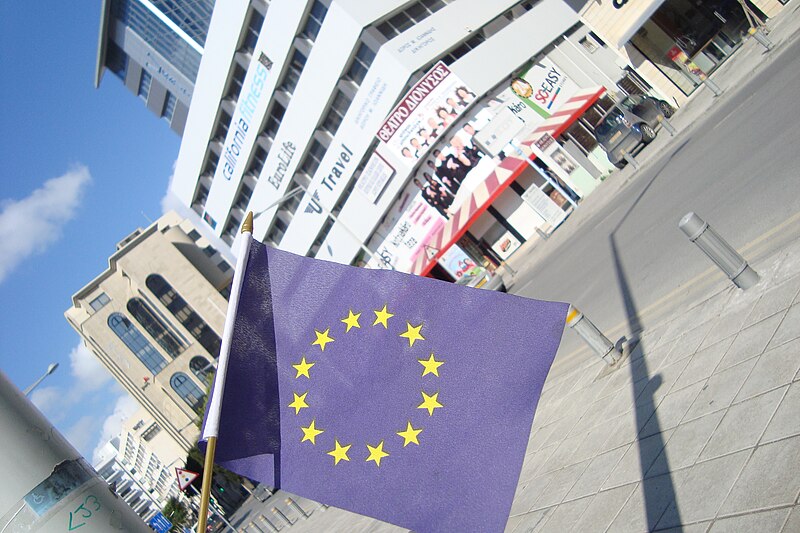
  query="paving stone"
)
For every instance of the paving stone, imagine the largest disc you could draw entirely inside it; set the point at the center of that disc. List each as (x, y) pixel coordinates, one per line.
(566, 515)
(703, 363)
(790, 327)
(793, 523)
(771, 478)
(603, 508)
(766, 521)
(592, 442)
(742, 425)
(750, 342)
(534, 461)
(720, 390)
(624, 432)
(593, 416)
(700, 527)
(774, 301)
(647, 504)
(688, 343)
(667, 375)
(685, 444)
(637, 459)
(539, 436)
(561, 481)
(671, 410)
(563, 456)
(595, 474)
(774, 369)
(786, 421)
(531, 522)
(561, 431)
(528, 493)
(704, 489)
(729, 323)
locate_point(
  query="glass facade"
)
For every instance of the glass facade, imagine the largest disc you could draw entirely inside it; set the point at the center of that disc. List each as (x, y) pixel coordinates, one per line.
(186, 389)
(192, 16)
(164, 40)
(137, 343)
(154, 326)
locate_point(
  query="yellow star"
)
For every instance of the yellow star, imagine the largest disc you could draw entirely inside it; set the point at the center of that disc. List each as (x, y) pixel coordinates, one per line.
(339, 452)
(376, 453)
(352, 321)
(412, 334)
(322, 339)
(311, 432)
(382, 317)
(302, 368)
(300, 402)
(410, 435)
(431, 365)
(430, 402)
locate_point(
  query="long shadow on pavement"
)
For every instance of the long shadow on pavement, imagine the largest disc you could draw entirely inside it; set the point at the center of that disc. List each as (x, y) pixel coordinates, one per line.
(659, 491)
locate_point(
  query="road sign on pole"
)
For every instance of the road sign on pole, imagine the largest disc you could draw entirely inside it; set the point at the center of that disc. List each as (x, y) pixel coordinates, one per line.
(160, 523)
(185, 477)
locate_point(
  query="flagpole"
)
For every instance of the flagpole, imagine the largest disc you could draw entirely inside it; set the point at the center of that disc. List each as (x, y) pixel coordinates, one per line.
(211, 426)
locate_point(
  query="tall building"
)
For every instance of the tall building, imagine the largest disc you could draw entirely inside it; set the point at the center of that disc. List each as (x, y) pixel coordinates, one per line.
(395, 133)
(154, 319)
(155, 47)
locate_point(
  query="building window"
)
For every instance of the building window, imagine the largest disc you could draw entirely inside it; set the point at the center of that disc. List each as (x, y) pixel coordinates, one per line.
(116, 60)
(232, 226)
(274, 120)
(292, 75)
(194, 235)
(201, 368)
(176, 305)
(211, 163)
(186, 389)
(201, 195)
(361, 63)
(209, 250)
(243, 198)
(235, 85)
(257, 161)
(153, 325)
(465, 47)
(137, 343)
(144, 85)
(152, 431)
(313, 158)
(314, 21)
(168, 111)
(223, 123)
(224, 266)
(278, 230)
(339, 105)
(253, 29)
(414, 14)
(99, 302)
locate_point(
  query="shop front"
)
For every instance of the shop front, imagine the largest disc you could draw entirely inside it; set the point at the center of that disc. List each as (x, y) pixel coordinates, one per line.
(676, 44)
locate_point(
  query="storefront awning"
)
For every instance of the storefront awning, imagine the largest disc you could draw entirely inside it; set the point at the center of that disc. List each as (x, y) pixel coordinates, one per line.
(503, 175)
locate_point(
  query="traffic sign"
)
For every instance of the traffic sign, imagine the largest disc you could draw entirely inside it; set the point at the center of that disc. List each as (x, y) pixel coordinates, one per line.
(160, 523)
(185, 477)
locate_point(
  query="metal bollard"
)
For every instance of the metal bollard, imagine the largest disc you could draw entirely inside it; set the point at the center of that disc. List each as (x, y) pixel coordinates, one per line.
(631, 161)
(762, 39)
(282, 516)
(669, 127)
(598, 342)
(713, 86)
(718, 250)
(296, 506)
(268, 523)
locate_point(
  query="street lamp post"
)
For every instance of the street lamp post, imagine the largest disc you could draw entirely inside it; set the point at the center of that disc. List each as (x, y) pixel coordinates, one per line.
(50, 370)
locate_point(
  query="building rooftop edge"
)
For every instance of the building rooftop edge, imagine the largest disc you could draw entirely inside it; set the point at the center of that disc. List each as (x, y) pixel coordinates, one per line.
(105, 10)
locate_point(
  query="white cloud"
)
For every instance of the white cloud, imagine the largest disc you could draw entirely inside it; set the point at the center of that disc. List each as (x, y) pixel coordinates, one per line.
(124, 407)
(81, 432)
(88, 372)
(28, 226)
(46, 398)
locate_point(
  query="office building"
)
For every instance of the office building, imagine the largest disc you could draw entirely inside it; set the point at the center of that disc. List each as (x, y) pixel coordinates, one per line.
(154, 47)
(154, 319)
(319, 116)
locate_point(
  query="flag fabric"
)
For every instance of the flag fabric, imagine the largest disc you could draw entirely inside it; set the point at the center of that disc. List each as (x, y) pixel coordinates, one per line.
(394, 396)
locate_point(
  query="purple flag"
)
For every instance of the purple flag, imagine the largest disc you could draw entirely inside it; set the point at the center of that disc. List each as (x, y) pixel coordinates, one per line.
(394, 396)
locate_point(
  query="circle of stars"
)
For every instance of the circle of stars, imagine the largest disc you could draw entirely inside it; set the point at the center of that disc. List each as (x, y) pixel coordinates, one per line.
(409, 435)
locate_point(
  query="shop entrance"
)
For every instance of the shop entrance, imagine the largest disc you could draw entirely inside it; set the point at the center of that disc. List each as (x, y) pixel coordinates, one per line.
(689, 39)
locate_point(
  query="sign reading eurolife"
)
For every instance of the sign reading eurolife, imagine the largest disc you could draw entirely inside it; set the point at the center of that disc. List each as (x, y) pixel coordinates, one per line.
(239, 140)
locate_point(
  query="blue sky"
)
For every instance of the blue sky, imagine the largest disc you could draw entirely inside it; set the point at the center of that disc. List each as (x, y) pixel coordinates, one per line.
(82, 168)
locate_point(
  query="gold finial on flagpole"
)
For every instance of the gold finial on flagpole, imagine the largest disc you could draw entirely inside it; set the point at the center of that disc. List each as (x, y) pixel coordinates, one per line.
(247, 226)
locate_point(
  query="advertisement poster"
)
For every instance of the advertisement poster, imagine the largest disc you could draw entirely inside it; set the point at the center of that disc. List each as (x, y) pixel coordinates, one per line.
(406, 240)
(374, 178)
(545, 206)
(572, 177)
(543, 87)
(680, 58)
(456, 262)
(506, 245)
(422, 115)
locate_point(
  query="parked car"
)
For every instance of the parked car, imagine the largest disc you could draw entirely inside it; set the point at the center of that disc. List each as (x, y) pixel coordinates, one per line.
(631, 123)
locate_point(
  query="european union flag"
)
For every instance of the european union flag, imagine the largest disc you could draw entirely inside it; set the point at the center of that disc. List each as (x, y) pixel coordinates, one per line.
(394, 396)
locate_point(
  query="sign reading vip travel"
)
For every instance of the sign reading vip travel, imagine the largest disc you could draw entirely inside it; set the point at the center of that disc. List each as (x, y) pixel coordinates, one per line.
(239, 141)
